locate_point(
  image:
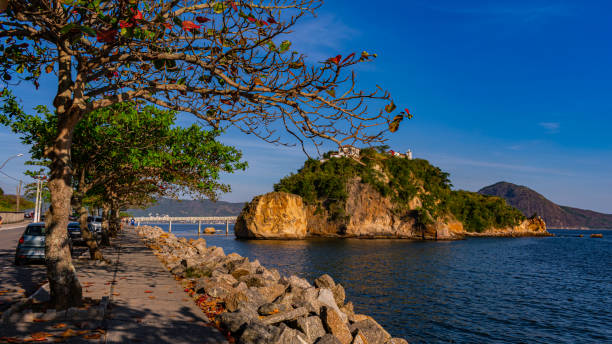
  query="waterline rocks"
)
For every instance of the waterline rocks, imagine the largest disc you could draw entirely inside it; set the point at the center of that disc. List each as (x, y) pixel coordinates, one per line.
(276, 215)
(258, 305)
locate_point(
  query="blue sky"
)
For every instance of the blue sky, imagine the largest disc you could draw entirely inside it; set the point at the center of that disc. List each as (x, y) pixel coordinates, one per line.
(517, 90)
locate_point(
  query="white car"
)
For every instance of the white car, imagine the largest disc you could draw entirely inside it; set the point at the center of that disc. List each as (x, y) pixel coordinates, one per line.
(94, 224)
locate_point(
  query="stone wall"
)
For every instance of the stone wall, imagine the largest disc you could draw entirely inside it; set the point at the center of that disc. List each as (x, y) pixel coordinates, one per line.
(11, 216)
(258, 305)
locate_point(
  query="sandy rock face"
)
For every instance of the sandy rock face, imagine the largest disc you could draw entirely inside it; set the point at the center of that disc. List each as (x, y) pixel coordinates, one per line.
(275, 215)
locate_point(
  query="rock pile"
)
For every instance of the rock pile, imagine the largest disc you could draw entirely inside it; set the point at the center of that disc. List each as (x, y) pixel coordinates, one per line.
(260, 305)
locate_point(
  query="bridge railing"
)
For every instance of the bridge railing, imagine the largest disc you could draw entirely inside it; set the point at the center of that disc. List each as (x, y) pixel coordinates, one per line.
(188, 219)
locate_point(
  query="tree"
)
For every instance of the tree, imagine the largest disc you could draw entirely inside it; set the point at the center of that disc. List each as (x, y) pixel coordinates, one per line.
(223, 61)
(126, 154)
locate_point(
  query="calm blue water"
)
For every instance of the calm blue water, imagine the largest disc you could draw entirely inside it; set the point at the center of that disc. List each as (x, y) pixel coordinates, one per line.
(485, 290)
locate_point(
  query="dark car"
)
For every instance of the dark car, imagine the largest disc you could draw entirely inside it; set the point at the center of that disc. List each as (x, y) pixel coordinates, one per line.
(32, 244)
(74, 231)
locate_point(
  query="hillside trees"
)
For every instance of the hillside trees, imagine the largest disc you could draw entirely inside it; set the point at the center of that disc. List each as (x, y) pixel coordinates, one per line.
(223, 61)
(126, 155)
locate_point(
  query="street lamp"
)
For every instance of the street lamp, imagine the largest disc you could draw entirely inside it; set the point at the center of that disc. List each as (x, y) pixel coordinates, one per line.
(11, 157)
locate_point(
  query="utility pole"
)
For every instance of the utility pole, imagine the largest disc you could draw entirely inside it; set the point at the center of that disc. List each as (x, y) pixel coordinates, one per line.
(37, 204)
(18, 194)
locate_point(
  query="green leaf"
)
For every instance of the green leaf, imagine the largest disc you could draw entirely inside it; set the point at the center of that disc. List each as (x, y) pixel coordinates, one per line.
(272, 46)
(19, 69)
(89, 31)
(219, 7)
(285, 46)
(67, 28)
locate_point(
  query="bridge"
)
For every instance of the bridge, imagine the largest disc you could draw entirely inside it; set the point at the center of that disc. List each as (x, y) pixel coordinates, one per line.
(188, 219)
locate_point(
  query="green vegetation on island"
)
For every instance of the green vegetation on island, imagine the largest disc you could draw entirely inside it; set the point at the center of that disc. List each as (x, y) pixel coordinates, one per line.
(324, 184)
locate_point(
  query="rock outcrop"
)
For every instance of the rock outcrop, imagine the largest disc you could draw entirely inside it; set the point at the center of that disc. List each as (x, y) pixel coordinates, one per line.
(279, 215)
(276, 215)
(258, 305)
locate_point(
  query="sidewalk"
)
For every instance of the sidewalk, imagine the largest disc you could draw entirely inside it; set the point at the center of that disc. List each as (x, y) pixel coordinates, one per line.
(147, 305)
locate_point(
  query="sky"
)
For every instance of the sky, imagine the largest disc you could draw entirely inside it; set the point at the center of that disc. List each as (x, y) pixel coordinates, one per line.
(517, 91)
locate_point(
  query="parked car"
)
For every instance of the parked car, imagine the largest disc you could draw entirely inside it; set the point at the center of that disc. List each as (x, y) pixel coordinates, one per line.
(94, 223)
(31, 245)
(74, 231)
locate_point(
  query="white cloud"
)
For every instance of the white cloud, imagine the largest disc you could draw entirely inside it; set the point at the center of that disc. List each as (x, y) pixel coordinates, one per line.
(550, 127)
(321, 37)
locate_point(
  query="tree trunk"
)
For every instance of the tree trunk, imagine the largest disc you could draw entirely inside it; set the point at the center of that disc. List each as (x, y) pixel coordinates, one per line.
(88, 237)
(114, 220)
(105, 234)
(63, 282)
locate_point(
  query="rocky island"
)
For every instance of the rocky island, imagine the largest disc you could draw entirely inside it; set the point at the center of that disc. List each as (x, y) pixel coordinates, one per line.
(373, 194)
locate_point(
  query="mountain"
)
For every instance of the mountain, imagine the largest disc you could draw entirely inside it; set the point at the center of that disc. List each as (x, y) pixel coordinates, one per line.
(530, 202)
(173, 207)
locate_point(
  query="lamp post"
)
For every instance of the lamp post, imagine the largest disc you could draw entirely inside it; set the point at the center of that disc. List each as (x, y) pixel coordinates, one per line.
(11, 157)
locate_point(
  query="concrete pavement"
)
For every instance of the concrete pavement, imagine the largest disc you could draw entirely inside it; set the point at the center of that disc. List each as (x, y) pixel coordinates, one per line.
(147, 304)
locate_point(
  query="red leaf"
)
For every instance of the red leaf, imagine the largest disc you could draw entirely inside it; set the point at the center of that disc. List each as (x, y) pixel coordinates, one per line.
(407, 111)
(107, 36)
(251, 19)
(124, 24)
(263, 23)
(189, 25)
(148, 291)
(271, 20)
(137, 15)
(190, 68)
(202, 19)
(234, 6)
(168, 26)
(336, 59)
(348, 57)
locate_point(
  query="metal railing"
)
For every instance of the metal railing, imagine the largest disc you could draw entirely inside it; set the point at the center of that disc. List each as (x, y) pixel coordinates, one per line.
(188, 219)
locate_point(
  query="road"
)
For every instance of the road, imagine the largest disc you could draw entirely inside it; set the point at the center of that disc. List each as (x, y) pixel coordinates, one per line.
(16, 279)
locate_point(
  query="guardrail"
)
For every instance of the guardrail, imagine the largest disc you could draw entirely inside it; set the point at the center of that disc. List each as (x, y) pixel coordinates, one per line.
(188, 219)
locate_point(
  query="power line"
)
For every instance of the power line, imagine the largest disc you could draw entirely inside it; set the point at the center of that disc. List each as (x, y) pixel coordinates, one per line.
(13, 178)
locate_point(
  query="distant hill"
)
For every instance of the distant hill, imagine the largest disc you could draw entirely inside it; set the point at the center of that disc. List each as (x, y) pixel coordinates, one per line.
(172, 207)
(9, 203)
(556, 216)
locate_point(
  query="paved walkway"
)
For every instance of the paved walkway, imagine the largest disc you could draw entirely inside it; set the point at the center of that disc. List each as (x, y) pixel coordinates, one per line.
(147, 305)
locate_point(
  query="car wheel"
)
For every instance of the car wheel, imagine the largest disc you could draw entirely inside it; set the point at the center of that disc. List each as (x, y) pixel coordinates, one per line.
(18, 261)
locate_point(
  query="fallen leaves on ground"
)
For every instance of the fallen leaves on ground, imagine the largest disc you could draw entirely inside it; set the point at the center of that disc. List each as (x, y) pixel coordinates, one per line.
(148, 291)
(37, 320)
(92, 336)
(60, 325)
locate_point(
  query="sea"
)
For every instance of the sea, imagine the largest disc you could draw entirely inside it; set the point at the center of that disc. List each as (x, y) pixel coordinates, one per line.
(479, 290)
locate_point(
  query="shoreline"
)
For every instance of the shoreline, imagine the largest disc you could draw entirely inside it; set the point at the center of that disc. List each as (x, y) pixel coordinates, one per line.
(256, 304)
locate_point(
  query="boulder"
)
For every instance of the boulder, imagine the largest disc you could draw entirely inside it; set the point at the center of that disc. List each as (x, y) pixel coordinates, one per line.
(234, 300)
(210, 230)
(291, 336)
(335, 325)
(325, 281)
(373, 332)
(258, 333)
(272, 292)
(396, 341)
(339, 294)
(359, 338)
(234, 322)
(312, 327)
(273, 308)
(200, 245)
(285, 316)
(275, 215)
(328, 339)
(326, 298)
